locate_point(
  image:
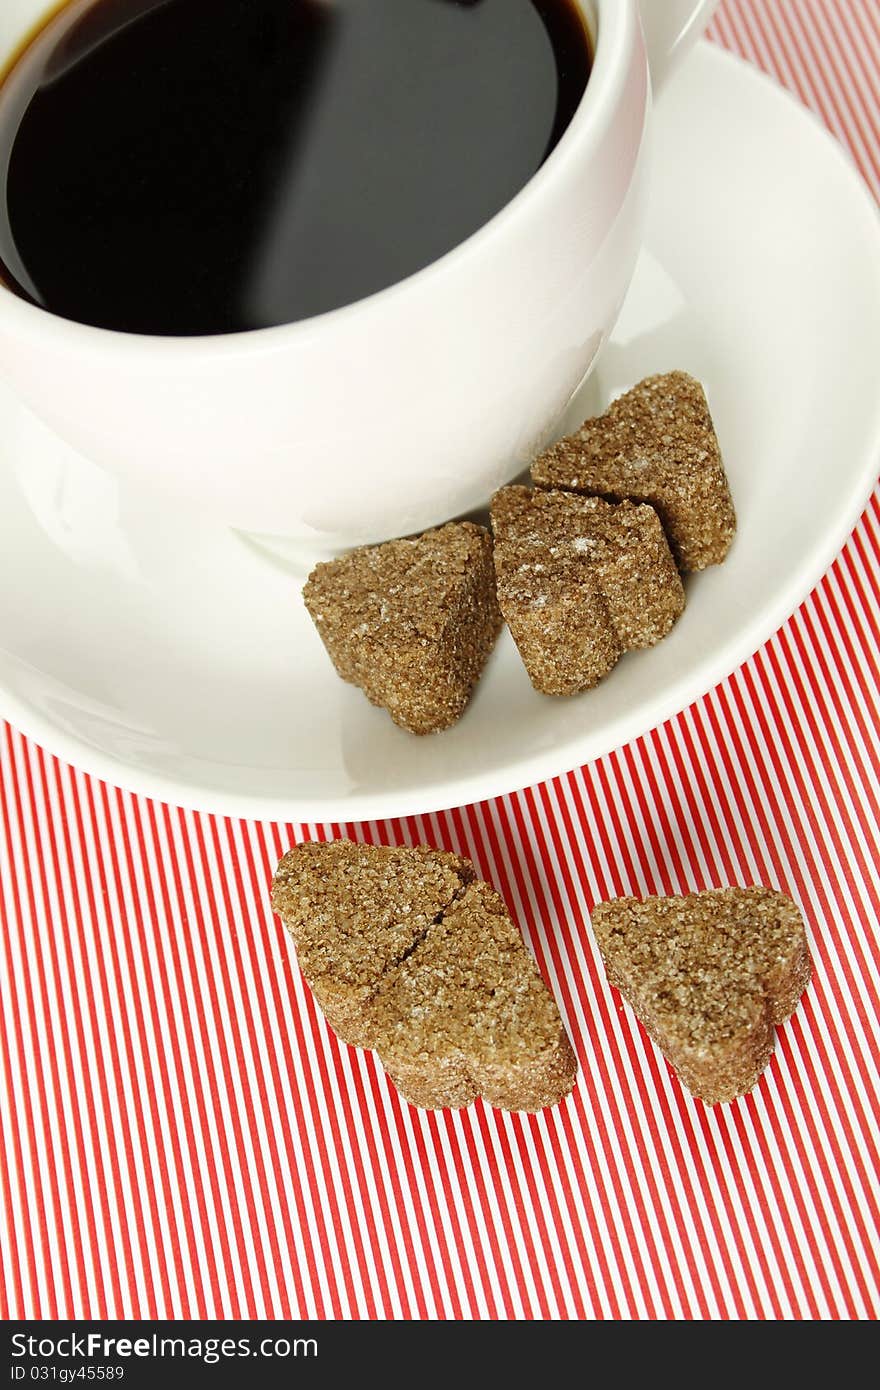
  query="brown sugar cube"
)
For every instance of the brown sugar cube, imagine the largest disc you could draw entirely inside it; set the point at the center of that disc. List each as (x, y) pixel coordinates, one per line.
(709, 975)
(656, 444)
(468, 1014)
(408, 954)
(412, 622)
(355, 911)
(580, 581)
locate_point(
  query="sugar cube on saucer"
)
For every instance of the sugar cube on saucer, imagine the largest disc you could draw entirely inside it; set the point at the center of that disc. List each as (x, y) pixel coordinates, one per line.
(411, 622)
(580, 581)
(656, 444)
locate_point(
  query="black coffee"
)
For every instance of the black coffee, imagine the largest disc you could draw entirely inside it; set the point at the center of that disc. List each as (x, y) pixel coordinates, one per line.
(207, 166)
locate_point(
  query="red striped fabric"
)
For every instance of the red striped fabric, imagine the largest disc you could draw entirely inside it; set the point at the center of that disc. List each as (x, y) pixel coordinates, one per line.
(184, 1137)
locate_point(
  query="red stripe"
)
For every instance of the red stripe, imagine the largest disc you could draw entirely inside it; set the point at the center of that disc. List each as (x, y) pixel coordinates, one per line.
(253, 1197)
(428, 1225)
(586, 1103)
(654, 1098)
(555, 943)
(740, 874)
(703, 824)
(25, 1264)
(294, 1117)
(253, 893)
(652, 1094)
(24, 1023)
(431, 1154)
(634, 1173)
(497, 872)
(85, 1136)
(159, 1190)
(87, 927)
(335, 1270)
(123, 968)
(845, 116)
(779, 734)
(451, 837)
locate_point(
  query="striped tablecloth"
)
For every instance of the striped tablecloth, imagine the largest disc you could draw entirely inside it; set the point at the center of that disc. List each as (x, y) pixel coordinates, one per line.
(185, 1138)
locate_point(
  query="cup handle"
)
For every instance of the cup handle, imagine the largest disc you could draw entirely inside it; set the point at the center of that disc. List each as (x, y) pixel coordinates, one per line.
(671, 27)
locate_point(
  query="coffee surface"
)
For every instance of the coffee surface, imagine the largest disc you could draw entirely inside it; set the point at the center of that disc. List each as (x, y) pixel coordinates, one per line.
(211, 166)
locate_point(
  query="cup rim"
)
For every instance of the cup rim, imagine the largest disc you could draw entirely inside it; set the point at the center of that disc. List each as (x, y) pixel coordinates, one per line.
(611, 25)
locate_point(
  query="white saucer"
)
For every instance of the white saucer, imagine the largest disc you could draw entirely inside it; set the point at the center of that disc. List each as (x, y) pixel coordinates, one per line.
(170, 656)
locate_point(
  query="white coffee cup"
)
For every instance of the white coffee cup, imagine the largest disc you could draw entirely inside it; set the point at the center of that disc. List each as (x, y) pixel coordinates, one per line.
(411, 406)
